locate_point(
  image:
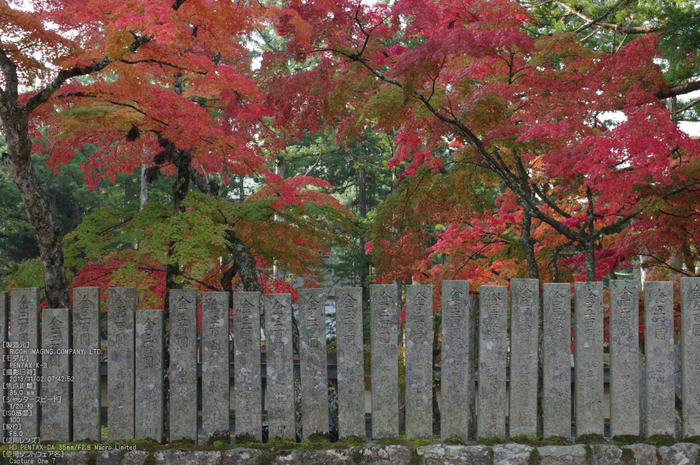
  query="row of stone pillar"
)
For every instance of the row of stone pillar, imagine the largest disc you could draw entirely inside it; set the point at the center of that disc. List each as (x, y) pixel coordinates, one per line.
(137, 365)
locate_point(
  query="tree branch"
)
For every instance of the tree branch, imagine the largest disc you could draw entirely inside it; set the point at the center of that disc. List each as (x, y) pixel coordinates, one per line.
(610, 26)
(44, 94)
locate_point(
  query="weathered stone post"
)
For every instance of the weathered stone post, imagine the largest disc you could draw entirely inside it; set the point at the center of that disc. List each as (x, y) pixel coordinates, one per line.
(624, 358)
(314, 376)
(588, 355)
(419, 363)
(149, 399)
(524, 329)
(385, 360)
(246, 358)
(280, 365)
(216, 378)
(491, 404)
(4, 310)
(86, 364)
(55, 389)
(556, 383)
(351, 368)
(120, 374)
(183, 364)
(658, 350)
(457, 369)
(690, 355)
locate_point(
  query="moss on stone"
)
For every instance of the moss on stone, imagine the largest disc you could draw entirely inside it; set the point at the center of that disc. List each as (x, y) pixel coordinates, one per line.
(316, 441)
(535, 458)
(626, 439)
(491, 441)
(246, 440)
(553, 441)
(627, 457)
(415, 458)
(150, 459)
(660, 440)
(591, 439)
(693, 440)
(267, 458)
(348, 442)
(455, 441)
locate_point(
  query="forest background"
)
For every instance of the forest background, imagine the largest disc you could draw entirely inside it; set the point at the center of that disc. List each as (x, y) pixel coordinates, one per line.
(247, 145)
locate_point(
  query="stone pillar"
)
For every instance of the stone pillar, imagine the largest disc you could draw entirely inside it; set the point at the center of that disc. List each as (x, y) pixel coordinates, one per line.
(624, 358)
(457, 373)
(149, 375)
(588, 363)
(183, 364)
(351, 368)
(491, 404)
(216, 377)
(385, 360)
(314, 376)
(524, 331)
(120, 374)
(556, 379)
(246, 363)
(280, 365)
(24, 339)
(86, 364)
(690, 355)
(419, 361)
(4, 311)
(55, 388)
(658, 349)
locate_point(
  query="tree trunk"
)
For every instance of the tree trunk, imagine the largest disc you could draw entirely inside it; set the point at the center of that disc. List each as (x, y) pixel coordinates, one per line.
(47, 231)
(362, 210)
(528, 244)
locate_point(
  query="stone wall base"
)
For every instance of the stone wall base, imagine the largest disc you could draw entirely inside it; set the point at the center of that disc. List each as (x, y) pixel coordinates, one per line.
(375, 454)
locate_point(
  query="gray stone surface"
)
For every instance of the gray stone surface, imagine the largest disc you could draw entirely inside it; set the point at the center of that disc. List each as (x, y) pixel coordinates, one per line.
(524, 329)
(511, 454)
(120, 376)
(562, 455)
(419, 361)
(246, 356)
(457, 370)
(86, 363)
(215, 365)
(605, 454)
(385, 362)
(624, 358)
(556, 380)
(242, 456)
(183, 364)
(314, 376)
(280, 377)
(376, 454)
(493, 338)
(187, 457)
(134, 457)
(351, 369)
(658, 350)
(588, 355)
(148, 389)
(4, 313)
(75, 458)
(679, 454)
(439, 454)
(644, 454)
(24, 319)
(690, 355)
(316, 457)
(56, 419)
(107, 457)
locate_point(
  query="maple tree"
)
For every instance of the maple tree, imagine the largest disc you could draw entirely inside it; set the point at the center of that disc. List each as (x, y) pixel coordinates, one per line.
(170, 87)
(529, 111)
